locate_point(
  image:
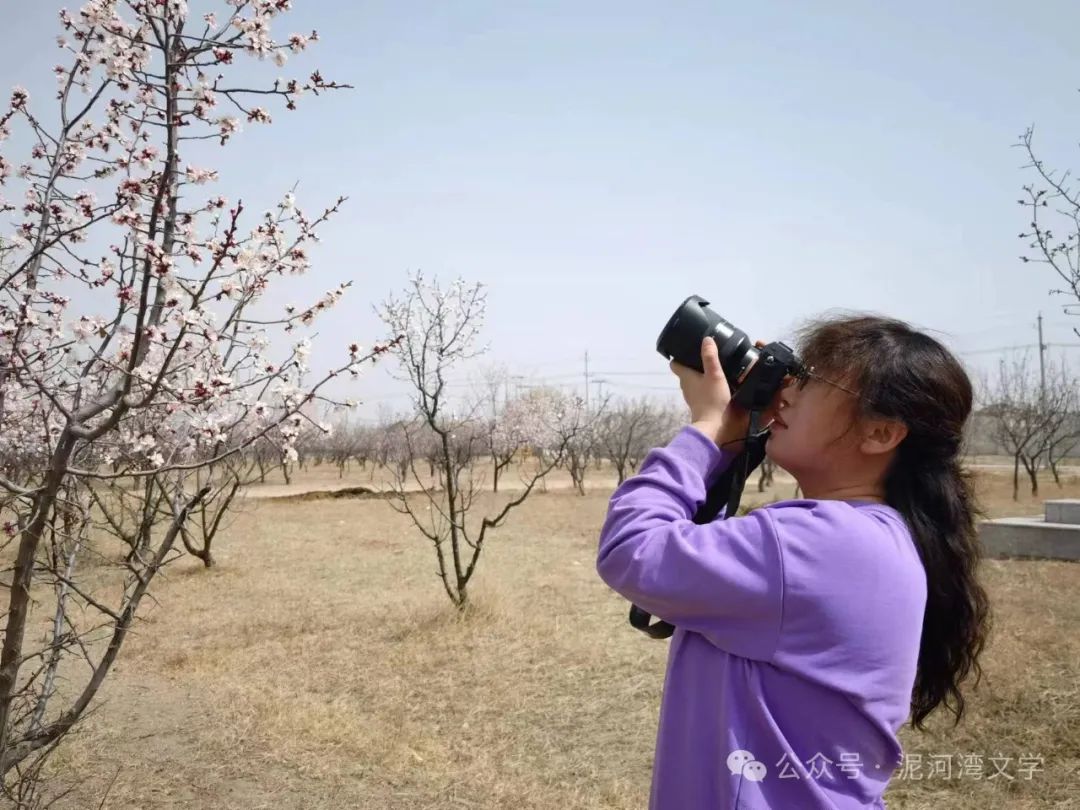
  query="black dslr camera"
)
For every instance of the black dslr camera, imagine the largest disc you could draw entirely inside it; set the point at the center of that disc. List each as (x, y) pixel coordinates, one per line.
(755, 373)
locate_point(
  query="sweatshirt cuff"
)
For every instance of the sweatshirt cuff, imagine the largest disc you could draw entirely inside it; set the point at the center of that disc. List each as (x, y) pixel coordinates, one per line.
(701, 452)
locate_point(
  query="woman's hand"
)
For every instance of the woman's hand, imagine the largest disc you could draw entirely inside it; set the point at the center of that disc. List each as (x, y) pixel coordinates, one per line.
(709, 399)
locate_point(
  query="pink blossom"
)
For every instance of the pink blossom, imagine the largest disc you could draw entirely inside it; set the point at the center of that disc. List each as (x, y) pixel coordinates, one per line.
(227, 125)
(163, 266)
(96, 13)
(200, 176)
(86, 327)
(145, 157)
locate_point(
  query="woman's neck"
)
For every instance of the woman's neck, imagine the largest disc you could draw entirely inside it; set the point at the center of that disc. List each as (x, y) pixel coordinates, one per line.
(849, 492)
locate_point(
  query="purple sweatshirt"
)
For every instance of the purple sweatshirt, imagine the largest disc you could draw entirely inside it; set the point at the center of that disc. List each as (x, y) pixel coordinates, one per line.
(797, 636)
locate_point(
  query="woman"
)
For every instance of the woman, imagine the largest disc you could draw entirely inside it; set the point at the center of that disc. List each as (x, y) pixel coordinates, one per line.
(807, 630)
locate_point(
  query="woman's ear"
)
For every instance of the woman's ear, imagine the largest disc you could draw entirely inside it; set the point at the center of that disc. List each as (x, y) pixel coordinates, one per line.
(882, 435)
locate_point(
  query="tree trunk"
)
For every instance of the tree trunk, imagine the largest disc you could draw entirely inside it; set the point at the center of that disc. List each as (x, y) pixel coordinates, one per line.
(1033, 474)
(143, 543)
(1053, 464)
(1016, 477)
(577, 474)
(22, 579)
(460, 577)
(543, 478)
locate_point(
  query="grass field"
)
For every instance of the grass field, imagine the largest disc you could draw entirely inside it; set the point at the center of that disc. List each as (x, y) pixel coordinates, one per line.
(319, 665)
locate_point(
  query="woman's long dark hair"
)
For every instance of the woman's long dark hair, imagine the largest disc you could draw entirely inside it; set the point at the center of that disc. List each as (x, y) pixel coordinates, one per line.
(907, 375)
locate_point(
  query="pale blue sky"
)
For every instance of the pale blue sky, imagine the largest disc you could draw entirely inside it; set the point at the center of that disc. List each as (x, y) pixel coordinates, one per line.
(595, 162)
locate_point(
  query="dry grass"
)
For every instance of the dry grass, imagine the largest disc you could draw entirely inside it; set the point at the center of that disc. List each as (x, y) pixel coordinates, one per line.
(320, 666)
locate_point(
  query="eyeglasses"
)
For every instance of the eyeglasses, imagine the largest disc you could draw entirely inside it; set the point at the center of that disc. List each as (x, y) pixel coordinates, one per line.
(805, 374)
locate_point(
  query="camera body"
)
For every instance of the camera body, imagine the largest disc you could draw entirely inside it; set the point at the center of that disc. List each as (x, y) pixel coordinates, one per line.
(754, 372)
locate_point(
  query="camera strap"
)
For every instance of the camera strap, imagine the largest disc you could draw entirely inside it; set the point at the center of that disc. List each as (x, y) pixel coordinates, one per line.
(725, 494)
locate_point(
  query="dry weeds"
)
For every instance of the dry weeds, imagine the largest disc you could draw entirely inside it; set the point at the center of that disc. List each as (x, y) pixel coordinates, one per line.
(319, 665)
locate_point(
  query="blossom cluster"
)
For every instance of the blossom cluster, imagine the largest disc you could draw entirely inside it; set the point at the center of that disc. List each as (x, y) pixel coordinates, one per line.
(133, 313)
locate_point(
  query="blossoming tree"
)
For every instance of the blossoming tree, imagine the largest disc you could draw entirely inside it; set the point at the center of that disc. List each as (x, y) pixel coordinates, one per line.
(137, 345)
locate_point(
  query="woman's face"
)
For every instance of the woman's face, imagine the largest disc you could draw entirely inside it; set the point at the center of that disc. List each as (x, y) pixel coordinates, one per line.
(809, 427)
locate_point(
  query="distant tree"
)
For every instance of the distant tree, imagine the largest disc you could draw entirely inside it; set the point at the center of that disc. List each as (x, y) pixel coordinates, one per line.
(629, 429)
(1028, 421)
(1063, 443)
(767, 471)
(440, 328)
(580, 438)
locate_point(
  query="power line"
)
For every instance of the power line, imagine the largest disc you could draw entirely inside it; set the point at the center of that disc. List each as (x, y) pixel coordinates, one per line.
(1000, 349)
(636, 373)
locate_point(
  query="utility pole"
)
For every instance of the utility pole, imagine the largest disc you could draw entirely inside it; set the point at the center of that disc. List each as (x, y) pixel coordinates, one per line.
(1042, 364)
(586, 381)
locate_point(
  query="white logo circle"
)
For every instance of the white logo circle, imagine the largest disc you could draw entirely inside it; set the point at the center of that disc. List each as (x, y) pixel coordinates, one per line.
(743, 763)
(754, 771)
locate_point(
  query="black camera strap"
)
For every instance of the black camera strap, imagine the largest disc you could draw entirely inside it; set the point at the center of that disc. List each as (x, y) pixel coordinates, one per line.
(726, 491)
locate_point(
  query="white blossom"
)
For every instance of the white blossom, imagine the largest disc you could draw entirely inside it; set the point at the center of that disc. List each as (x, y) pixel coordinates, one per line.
(200, 176)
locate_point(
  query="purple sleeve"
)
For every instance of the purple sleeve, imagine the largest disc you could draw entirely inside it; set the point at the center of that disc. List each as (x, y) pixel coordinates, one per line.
(723, 579)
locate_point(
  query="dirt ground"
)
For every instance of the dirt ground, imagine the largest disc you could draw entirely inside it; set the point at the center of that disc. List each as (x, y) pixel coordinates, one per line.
(319, 665)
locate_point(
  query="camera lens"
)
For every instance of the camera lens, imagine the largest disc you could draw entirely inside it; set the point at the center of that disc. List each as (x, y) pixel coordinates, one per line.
(690, 324)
